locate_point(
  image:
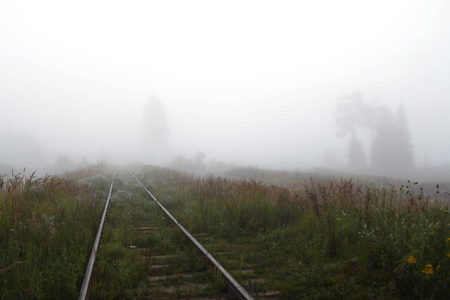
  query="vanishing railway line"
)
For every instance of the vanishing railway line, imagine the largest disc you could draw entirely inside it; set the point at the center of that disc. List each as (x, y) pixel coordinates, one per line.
(176, 268)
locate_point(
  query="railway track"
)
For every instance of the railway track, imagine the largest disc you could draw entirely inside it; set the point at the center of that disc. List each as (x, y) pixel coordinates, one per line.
(157, 258)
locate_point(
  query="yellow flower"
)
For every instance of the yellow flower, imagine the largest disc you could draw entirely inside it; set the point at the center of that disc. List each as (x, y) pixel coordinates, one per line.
(428, 269)
(438, 267)
(448, 240)
(448, 254)
(411, 260)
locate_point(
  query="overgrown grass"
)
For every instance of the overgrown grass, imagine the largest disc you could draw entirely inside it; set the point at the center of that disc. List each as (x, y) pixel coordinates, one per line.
(118, 269)
(326, 239)
(312, 239)
(124, 261)
(47, 227)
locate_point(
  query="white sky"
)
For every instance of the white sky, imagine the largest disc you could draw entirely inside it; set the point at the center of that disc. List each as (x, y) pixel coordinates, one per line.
(253, 82)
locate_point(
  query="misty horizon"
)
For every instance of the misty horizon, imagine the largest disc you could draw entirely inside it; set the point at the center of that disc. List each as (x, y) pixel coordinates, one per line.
(246, 84)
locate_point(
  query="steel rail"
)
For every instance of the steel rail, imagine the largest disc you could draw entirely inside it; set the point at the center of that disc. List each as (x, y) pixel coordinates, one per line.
(237, 289)
(87, 277)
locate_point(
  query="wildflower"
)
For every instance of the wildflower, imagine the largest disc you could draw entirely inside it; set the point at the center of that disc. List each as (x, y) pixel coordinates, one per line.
(412, 260)
(448, 240)
(448, 254)
(438, 267)
(428, 270)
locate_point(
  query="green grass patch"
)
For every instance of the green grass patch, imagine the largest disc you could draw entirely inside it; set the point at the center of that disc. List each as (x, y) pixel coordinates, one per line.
(323, 238)
(47, 228)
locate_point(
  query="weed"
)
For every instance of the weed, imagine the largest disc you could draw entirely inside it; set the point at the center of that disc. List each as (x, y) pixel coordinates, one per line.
(47, 228)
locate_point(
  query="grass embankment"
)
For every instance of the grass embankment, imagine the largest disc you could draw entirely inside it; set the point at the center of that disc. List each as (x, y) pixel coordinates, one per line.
(326, 239)
(47, 227)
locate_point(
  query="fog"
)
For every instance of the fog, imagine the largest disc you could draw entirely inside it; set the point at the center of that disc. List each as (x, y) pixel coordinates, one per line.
(248, 83)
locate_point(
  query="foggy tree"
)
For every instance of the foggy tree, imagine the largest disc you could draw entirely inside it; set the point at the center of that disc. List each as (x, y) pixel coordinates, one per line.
(195, 165)
(63, 163)
(405, 155)
(356, 154)
(200, 158)
(383, 144)
(392, 149)
(156, 129)
(352, 113)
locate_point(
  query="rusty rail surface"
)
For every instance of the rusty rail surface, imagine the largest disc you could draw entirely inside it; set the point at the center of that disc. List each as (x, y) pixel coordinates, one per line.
(87, 277)
(234, 286)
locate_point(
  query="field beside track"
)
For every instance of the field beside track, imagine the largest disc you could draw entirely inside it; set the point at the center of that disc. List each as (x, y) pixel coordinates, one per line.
(311, 238)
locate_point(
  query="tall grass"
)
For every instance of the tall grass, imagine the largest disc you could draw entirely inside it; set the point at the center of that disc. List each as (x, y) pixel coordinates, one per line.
(47, 227)
(326, 238)
(317, 238)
